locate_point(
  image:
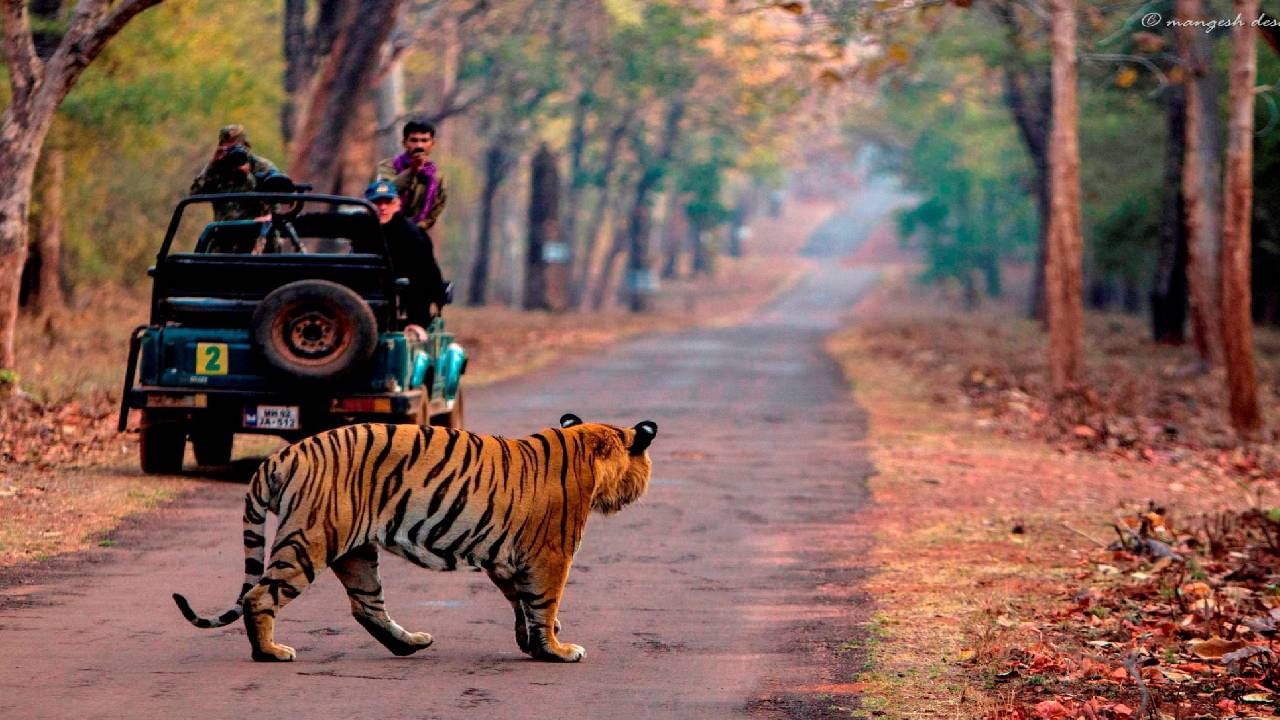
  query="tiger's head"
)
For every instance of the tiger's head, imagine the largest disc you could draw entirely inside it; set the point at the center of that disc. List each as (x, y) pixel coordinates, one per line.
(620, 460)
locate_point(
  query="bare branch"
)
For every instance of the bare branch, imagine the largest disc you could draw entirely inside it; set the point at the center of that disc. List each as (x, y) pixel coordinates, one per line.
(92, 26)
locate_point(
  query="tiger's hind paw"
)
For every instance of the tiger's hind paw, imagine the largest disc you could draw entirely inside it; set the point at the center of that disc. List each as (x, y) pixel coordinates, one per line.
(275, 653)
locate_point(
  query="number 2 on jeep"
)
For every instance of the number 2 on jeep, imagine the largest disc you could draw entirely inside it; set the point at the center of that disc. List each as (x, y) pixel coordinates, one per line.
(211, 358)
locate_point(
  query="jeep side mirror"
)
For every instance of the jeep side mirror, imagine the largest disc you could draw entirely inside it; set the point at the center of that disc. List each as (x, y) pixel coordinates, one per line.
(151, 271)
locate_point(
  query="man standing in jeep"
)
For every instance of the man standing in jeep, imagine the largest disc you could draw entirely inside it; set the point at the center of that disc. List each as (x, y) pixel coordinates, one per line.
(412, 255)
(234, 168)
(416, 177)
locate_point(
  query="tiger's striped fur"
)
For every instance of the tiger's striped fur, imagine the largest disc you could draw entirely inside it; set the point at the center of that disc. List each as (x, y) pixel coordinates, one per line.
(437, 497)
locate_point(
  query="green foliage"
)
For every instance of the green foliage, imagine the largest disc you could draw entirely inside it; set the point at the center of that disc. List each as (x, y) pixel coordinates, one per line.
(948, 116)
(959, 151)
(144, 118)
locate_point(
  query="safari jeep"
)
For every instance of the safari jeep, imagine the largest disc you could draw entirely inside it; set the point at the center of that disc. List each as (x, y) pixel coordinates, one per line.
(286, 326)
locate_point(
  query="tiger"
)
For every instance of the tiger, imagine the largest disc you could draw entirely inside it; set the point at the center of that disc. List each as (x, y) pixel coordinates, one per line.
(514, 508)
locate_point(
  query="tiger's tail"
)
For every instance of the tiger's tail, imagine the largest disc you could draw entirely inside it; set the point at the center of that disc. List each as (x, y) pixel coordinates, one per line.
(256, 503)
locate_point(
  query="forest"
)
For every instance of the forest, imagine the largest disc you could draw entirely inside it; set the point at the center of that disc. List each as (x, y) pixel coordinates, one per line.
(961, 319)
(595, 149)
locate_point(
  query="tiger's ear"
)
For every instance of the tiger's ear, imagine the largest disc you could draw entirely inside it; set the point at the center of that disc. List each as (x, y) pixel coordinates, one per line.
(646, 431)
(568, 420)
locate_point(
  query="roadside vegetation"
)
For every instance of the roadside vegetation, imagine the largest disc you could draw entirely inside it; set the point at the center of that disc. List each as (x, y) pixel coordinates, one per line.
(1041, 559)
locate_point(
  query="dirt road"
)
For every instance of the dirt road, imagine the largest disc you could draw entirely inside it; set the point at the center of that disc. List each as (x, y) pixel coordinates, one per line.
(730, 590)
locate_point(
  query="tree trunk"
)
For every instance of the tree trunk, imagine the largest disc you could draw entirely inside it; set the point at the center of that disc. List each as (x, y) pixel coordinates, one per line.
(1237, 323)
(1062, 268)
(15, 200)
(640, 284)
(296, 64)
(1201, 174)
(495, 170)
(607, 269)
(389, 100)
(544, 230)
(50, 298)
(675, 231)
(360, 150)
(341, 82)
(1028, 95)
(589, 238)
(577, 183)
(1169, 286)
(36, 89)
(701, 264)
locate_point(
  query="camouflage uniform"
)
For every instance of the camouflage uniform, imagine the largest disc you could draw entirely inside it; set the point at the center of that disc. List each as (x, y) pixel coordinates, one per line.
(211, 181)
(415, 188)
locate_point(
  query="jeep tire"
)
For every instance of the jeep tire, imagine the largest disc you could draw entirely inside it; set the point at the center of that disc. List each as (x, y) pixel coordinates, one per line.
(161, 448)
(314, 330)
(212, 447)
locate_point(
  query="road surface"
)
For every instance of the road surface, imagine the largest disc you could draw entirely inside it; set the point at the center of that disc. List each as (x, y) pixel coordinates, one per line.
(730, 590)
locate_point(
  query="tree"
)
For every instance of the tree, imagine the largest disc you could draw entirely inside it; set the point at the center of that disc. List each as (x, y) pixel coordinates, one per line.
(341, 82)
(46, 278)
(37, 87)
(1237, 205)
(1200, 187)
(1065, 312)
(1169, 286)
(544, 231)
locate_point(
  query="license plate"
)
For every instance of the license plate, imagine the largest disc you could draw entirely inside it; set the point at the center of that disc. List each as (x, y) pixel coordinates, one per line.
(271, 417)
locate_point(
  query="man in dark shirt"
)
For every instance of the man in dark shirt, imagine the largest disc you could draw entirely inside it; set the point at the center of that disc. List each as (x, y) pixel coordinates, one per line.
(412, 255)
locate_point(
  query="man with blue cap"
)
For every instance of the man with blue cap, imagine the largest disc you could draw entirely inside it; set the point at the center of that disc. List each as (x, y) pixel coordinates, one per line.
(411, 254)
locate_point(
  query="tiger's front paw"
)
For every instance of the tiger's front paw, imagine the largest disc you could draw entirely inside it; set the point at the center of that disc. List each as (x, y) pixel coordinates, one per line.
(561, 652)
(420, 640)
(275, 653)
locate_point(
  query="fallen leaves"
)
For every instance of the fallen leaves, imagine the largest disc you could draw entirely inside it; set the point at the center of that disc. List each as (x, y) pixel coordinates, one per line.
(1182, 615)
(1215, 647)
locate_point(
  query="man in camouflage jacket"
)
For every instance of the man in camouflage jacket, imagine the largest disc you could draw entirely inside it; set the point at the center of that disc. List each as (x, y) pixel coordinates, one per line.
(218, 177)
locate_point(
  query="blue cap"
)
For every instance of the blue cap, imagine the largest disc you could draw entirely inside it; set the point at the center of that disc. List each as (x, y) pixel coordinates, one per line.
(380, 190)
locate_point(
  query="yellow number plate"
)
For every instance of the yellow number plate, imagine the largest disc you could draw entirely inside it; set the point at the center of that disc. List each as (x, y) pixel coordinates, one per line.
(211, 358)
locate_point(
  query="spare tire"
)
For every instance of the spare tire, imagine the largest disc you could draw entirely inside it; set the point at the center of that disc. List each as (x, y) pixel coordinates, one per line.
(314, 330)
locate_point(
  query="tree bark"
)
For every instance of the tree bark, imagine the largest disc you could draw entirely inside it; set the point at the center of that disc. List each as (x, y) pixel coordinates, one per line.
(340, 83)
(1062, 269)
(1028, 93)
(36, 88)
(639, 275)
(1169, 286)
(586, 253)
(1237, 322)
(50, 298)
(544, 230)
(359, 148)
(296, 64)
(1200, 183)
(675, 233)
(574, 191)
(496, 165)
